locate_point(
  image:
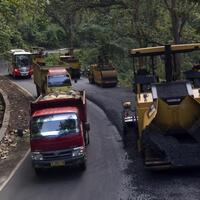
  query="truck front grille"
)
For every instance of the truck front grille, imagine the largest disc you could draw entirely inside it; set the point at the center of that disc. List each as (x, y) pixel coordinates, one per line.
(57, 155)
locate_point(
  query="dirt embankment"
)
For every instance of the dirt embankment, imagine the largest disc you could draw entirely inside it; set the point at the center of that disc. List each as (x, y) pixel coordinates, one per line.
(13, 146)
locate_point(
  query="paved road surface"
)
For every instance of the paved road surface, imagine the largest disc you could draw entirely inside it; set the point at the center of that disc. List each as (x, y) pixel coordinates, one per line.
(104, 178)
(145, 185)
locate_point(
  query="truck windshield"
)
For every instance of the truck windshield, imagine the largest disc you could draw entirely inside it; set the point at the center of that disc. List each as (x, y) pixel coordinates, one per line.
(23, 60)
(59, 81)
(54, 125)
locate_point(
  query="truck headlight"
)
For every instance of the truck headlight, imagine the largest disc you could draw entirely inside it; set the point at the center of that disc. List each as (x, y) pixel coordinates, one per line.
(36, 156)
(79, 151)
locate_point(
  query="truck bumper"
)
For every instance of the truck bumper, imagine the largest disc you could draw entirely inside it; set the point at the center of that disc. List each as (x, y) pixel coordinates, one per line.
(58, 162)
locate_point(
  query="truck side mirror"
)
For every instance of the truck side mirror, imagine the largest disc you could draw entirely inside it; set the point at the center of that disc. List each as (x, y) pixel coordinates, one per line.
(87, 126)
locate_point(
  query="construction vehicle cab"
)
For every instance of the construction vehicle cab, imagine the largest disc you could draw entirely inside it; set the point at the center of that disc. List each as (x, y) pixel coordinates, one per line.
(39, 56)
(193, 75)
(168, 113)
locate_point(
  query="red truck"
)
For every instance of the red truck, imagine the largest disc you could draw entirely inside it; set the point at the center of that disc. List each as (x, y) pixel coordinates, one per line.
(59, 131)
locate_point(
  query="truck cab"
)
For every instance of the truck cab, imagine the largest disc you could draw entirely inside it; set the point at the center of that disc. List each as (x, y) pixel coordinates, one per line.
(59, 131)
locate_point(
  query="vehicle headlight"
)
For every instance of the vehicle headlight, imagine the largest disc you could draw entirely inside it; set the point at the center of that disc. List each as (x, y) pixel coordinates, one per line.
(36, 156)
(128, 119)
(79, 151)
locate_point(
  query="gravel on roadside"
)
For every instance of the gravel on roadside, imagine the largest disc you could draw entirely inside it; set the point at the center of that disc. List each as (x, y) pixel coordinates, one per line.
(12, 146)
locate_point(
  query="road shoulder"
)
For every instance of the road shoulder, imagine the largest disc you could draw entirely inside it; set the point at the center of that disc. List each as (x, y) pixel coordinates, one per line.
(13, 148)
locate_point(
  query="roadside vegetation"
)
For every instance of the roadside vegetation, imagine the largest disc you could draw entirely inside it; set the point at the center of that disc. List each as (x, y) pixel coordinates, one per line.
(98, 27)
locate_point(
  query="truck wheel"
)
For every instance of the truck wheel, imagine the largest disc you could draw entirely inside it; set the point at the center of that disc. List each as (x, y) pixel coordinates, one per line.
(38, 91)
(91, 81)
(38, 171)
(87, 138)
(82, 166)
(102, 85)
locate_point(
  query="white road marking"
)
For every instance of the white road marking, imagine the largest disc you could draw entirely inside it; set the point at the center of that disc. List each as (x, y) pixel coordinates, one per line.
(14, 170)
(25, 91)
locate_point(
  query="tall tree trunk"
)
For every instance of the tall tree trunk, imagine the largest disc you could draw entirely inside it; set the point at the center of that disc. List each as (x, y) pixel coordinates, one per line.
(176, 33)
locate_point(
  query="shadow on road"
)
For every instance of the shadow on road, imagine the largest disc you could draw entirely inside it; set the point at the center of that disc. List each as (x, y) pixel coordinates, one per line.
(59, 174)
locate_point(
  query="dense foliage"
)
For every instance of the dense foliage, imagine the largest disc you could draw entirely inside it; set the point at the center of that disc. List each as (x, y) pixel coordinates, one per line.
(96, 27)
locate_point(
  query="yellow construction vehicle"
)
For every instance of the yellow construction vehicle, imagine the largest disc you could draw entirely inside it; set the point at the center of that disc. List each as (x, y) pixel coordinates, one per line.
(74, 66)
(38, 56)
(103, 73)
(167, 112)
(193, 75)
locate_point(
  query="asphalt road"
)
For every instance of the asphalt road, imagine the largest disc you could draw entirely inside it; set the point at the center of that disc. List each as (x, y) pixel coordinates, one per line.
(145, 185)
(103, 179)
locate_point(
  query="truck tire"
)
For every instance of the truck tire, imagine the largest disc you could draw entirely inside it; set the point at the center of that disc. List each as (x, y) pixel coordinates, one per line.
(38, 91)
(82, 166)
(87, 138)
(102, 84)
(38, 171)
(91, 80)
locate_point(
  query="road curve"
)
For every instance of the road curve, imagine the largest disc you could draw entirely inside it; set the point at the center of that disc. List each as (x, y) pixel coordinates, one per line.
(104, 178)
(145, 185)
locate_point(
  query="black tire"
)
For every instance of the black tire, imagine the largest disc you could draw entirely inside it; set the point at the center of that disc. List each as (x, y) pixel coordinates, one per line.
(87, 138)
(83, 166)
(91, 80)
(102, 85)
(38, 171)
(38, 91)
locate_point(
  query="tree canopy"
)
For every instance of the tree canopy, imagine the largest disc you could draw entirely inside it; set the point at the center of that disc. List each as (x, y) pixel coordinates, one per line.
(95, 26)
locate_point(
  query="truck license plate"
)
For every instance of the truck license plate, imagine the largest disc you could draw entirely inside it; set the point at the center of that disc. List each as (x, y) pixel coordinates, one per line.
(58, 163)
